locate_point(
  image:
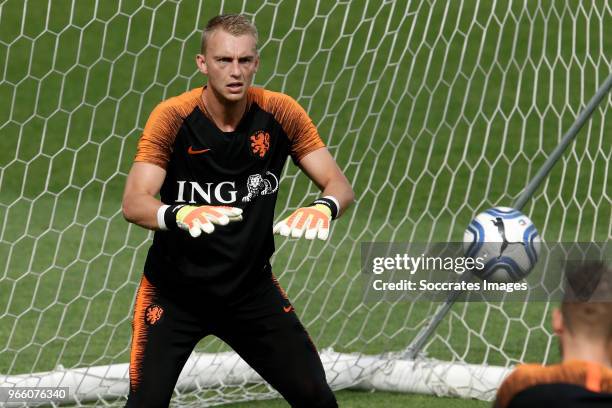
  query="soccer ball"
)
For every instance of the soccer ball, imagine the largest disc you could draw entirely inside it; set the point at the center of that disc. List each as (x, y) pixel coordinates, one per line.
(506, 241)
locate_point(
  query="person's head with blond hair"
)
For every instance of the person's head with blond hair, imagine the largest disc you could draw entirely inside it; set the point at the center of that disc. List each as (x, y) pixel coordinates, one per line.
(583, 323)
(234, 24)
(229, 59)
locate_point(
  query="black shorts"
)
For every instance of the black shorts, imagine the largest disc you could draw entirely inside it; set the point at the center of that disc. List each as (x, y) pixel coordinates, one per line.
(261, 327)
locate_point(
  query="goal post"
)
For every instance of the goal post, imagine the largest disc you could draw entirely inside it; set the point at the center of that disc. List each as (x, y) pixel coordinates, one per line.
(434, 110)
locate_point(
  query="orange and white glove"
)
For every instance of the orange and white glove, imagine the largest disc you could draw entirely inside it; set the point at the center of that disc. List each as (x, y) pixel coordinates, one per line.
(311, 222)
(197, 219)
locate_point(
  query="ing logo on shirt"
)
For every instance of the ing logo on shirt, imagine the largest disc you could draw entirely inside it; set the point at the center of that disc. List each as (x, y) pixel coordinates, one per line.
(260, 143)
(153, 313)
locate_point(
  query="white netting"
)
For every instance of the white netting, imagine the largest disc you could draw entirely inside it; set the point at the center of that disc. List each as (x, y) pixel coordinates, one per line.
(434, 110)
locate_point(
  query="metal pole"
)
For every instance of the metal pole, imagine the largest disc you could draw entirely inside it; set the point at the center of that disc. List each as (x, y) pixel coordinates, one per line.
(569, 136)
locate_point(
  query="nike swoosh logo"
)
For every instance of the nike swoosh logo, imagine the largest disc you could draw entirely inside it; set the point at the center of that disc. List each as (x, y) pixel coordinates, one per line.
(191, 151)
(287, 309)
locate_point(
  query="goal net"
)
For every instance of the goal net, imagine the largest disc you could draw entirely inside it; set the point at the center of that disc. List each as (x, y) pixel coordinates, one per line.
(435, 110)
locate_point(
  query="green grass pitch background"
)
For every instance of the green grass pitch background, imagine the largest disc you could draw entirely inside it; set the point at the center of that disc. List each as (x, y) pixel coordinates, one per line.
(434, 110)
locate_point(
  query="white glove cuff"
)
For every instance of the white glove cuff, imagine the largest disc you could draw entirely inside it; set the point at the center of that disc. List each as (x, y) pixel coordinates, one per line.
(335, 202)
(161, 223)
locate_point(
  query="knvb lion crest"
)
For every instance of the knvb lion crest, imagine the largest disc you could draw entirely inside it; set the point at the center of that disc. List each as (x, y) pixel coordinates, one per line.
(153, 313)
(258, 184)
(260, 143)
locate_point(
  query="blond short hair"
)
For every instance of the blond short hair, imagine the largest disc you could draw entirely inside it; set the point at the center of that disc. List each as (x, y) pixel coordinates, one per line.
(235, 24)
(587, 302)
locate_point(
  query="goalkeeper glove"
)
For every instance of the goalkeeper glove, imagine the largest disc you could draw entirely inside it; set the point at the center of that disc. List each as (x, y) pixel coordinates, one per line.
(312, 221)
(196, 219)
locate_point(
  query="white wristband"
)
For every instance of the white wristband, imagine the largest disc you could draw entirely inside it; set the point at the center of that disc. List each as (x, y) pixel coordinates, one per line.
(335, 202)
(161, 223)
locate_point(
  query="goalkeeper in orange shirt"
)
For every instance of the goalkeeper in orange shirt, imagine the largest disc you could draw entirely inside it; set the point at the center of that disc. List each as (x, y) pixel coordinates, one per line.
(215, 155)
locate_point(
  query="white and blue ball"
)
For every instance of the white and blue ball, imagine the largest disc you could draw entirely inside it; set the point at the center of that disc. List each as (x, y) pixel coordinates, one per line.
(507, 242)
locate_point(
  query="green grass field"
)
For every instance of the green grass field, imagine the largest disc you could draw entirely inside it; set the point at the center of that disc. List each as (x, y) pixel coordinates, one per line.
(435, 110)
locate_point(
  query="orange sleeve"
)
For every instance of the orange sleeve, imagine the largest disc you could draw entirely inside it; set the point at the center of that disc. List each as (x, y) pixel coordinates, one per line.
(592, 376)
(158, 136)
(303, 134)
(155, 145)
(517, 381)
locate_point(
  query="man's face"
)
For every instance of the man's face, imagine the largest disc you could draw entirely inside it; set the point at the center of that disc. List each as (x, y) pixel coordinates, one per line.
(230, 64)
